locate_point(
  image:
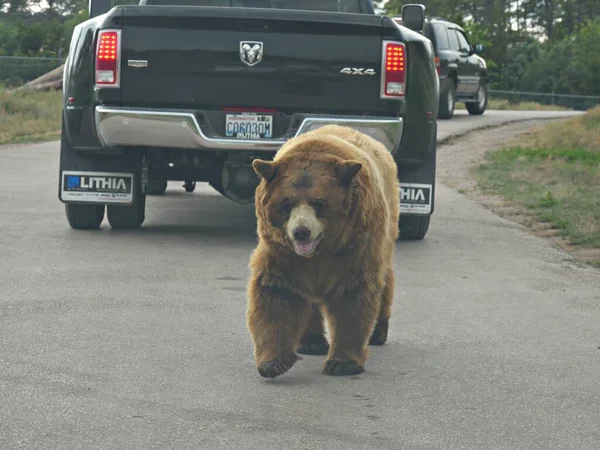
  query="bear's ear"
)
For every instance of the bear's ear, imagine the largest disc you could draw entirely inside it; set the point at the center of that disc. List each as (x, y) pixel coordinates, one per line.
(347, 170)
(265, 169)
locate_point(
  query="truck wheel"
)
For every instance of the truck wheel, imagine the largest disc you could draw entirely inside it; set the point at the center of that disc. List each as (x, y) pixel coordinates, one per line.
(84, 217)
(447, 102)
(156, 187)
(127, 217)
(478, 108)
(413, 228)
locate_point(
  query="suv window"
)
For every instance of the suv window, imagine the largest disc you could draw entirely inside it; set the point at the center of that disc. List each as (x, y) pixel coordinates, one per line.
(453, 39)
(440, 36)
(462, 40)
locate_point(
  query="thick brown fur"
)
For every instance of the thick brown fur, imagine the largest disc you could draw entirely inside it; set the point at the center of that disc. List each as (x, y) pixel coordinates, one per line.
(350, 182)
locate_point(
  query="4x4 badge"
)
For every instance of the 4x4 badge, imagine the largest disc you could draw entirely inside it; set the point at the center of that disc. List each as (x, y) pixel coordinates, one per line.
(357, 71)
(251, 52)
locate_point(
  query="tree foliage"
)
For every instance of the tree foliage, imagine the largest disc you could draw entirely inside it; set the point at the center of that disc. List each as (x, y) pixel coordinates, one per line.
(36, 28)
(28, 30)
(536, 45)
(569, 66)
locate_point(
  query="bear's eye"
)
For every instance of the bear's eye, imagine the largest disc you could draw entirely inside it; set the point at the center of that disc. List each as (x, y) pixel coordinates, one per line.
(286, 205)
(318, 204)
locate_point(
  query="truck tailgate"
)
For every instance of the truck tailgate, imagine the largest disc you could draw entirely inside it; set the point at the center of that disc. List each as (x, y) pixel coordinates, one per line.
(193, 59)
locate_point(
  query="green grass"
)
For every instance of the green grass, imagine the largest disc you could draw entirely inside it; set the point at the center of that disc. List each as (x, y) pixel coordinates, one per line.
(29, 116)
(557, 177)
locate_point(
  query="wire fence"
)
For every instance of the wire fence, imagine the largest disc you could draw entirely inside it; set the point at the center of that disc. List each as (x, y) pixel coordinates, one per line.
(16, 70)
(574, 101)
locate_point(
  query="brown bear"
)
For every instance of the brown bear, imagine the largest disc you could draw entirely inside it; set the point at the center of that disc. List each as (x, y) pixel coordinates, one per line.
(327, 211)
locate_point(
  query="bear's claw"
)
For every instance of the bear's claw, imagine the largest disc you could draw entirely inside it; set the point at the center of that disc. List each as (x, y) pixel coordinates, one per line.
(313, 345)
(379, 336)
(276, 367)
(342, 367)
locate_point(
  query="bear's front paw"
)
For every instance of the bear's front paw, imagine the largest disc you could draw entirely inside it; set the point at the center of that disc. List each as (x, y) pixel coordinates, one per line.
(276, 367)
(342, 367)
(313, 344)
(380, 333)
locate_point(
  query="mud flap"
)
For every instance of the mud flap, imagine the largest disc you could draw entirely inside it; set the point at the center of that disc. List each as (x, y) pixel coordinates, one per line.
(94, 177)
(417, 185)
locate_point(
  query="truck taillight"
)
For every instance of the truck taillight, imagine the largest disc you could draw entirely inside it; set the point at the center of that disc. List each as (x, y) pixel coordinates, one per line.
(437, 64)
(108, 58)
(393, 69)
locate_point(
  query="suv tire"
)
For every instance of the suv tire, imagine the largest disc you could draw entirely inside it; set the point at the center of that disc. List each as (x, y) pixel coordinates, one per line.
(478, 108)
(447, 101)
(413, 228)
(84, 217)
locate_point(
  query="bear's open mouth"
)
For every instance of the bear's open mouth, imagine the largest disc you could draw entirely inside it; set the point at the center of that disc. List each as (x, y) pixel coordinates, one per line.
(306, 248)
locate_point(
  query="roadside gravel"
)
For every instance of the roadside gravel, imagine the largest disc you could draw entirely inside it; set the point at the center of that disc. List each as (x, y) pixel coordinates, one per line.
(458, 157)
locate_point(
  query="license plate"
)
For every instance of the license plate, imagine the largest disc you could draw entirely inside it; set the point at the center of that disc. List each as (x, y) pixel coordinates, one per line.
(249, 126)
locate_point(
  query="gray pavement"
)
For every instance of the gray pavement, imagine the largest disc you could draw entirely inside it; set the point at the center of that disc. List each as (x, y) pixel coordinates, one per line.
(137, 340)
(462, 122)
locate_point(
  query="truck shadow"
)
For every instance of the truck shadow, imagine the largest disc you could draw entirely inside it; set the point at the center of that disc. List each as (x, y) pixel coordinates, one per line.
(199, 217)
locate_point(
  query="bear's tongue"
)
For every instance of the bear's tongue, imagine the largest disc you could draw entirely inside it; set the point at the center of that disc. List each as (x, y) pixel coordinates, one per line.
(304, 248)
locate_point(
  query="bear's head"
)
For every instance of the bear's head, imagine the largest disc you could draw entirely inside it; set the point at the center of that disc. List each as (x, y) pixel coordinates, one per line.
(306, 204)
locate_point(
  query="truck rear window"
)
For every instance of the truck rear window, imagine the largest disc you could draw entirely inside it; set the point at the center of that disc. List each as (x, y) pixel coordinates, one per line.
(347, 6)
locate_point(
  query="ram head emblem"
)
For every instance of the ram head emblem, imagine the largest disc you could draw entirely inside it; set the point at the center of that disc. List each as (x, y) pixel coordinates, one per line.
(251, 52)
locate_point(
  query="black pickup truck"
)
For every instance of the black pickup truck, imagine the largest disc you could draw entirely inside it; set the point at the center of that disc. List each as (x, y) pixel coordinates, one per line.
(194, 90)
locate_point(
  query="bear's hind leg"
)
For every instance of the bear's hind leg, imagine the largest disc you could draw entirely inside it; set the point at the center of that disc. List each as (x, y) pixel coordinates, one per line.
(351, 322)
(379, 336)
(313, 341)
(276, 318)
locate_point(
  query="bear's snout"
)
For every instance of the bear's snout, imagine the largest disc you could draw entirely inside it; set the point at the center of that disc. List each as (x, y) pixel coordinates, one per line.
(301, 233)
(304, 229)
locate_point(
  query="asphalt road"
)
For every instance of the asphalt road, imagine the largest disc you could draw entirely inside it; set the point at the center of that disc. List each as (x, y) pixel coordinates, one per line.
(137, 340)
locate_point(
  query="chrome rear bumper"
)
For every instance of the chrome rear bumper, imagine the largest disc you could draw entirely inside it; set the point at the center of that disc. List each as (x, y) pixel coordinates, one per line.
(120, 127)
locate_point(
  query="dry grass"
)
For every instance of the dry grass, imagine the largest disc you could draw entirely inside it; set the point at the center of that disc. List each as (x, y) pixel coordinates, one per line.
(504, 105)
(554, 172)
(29, 116)
(578, 133)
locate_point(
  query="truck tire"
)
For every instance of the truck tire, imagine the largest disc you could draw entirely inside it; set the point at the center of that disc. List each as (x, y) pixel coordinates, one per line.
(478, 108)
(413, 228)
(127, 217)
(84, 217)
(156, 187)
(447, 101)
